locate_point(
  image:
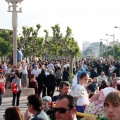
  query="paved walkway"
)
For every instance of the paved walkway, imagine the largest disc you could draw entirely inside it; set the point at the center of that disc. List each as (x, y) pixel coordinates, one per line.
(7, 102)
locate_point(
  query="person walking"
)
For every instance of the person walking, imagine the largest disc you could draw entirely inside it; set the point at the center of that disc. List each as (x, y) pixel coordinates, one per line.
(50, 83)
(58, 76)
(16, 89)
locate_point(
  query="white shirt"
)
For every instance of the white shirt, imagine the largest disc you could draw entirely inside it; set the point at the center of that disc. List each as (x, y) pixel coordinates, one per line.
(101, 78)
(3, 80)
(36, 72)
(4, 67)
(24, 70)
(8, 70)
(67, 65)
(81, 94)
(50, 66)
(58, 65)
(75, 118)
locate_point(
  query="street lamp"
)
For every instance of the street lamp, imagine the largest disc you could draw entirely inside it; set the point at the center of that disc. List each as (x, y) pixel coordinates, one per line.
(100, 47)
(113, 43)
(116, 27)
(12, 7)
(107, 45)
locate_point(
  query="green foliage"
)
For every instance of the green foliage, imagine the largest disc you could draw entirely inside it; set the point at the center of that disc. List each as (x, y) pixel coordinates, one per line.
(71, 78)
(32, 45)
(6, 43)
(6, 35)
(30, 42)
(5, 47)
(110, 52)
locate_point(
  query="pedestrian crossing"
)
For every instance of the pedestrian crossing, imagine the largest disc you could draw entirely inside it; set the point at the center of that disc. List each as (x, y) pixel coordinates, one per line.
(7, 102)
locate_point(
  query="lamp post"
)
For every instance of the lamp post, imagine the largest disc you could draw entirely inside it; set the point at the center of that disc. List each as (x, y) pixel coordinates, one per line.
(116, 27)
(113, 43)
(12, 7)
(102, 47)
(107, 44)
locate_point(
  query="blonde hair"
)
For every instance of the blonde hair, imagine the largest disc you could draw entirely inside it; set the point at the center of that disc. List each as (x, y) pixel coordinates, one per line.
(97, 80)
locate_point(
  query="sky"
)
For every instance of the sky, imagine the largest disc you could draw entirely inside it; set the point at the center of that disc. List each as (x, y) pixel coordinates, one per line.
(89, 20)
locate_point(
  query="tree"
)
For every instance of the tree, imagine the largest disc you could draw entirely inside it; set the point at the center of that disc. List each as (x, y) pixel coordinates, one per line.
(4, 47)
(6, 39)
(7, 35)
(64, 45)
(30, 42)
(71, 47)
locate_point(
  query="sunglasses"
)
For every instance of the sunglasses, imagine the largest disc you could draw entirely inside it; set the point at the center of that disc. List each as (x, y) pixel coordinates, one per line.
(61, 110)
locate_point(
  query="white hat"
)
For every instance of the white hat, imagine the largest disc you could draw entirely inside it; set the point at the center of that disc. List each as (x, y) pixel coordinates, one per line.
(47, 99)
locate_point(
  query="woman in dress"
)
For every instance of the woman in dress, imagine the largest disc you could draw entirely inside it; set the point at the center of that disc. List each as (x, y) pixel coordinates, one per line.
(79, 91)
(33, 83)
(96, 106)
(24, 79)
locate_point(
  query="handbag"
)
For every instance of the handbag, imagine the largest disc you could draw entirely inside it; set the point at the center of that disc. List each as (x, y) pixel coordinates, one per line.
(14, 88)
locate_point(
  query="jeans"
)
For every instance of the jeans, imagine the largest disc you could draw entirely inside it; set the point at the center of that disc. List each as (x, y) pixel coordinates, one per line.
(14, 98)
(0, 97)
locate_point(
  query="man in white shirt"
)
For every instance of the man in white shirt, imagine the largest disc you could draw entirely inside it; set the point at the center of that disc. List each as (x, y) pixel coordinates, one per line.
(50, 66)
(102, 77)
(67, 65)
(36, 71)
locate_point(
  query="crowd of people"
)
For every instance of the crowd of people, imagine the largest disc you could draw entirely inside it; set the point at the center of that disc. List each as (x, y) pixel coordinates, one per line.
(93, 89)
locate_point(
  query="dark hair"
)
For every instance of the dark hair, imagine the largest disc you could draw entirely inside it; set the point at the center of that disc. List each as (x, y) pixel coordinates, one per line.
(16, 73)
(32, 76)
(118, 87)
(63, 83)
(83, 75)
(36, 101)
(65, 69)
(13, 113)
(104, 83)
(70, 99)
(58, 68)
